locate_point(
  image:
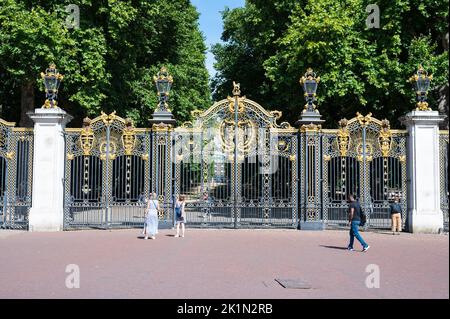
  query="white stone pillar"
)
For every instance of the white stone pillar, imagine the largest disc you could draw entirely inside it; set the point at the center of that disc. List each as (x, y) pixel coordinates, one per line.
(47, 209)
(424, 212)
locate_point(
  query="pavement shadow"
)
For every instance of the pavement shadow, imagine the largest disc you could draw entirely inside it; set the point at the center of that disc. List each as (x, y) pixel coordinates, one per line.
(170, 235)
(334, 247)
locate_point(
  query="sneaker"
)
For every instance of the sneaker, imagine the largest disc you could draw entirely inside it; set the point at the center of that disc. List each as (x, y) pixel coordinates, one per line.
(366, 248)
(145, 237)
(182, 236)
(176, 235)
(393, 233)
(350, 248)
(153, 237)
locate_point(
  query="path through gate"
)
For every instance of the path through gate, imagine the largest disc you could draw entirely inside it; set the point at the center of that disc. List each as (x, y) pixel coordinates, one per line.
(237, 166)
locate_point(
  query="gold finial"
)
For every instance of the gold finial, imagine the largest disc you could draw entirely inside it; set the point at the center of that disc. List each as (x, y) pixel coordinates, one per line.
(236, 89)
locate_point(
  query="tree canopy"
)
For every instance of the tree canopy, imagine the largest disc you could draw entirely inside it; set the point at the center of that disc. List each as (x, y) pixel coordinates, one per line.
(108, 62)
(270, 44)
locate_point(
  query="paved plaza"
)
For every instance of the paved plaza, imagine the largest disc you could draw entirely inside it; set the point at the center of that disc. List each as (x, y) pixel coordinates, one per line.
(221, 264)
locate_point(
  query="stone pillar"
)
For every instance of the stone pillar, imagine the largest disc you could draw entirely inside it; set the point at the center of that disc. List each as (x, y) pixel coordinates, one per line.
(47, 209)
(424, 213)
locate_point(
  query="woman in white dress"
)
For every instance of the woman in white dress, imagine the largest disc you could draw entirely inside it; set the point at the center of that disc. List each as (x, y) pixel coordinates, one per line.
(151, 219)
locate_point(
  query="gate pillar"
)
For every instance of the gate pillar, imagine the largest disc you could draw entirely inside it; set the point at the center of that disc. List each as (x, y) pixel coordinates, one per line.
(47, 208)
(424, 214)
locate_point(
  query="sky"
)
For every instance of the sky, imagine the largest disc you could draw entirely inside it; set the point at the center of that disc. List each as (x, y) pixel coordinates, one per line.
(211, 23)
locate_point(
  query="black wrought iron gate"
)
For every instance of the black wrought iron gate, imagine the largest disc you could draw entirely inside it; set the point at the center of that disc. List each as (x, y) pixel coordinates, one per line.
(237, 166)
(108, 175)
(16, 170)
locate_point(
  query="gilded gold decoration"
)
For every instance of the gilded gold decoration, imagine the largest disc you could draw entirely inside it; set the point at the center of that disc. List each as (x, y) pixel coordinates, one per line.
(310, 128)
(108, 119)
(236, 89)
(292, 157)
(10, 124)
(283, 146)
(161, 127)
(196, 113)
(368, 151)
(9, 155)
(47, 104)
(276, 114)
(423, 106)
(163, 74)
(385, 138)
(87, 137)
(402, 158)
(327, 158)
(128, 137)
(309, 76)
(241, 106)
(343, 136)
(145, 157)
(364, 120)
(70, 156)
(246, 135)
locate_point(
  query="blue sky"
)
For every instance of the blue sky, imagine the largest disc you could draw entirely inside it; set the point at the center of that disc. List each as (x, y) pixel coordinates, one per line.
(211, 23)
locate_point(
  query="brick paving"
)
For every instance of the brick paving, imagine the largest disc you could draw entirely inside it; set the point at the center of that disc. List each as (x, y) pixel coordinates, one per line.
(221, 264)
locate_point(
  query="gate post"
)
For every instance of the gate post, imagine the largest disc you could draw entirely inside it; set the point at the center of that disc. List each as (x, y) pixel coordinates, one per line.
(424, 214)
(47, 208)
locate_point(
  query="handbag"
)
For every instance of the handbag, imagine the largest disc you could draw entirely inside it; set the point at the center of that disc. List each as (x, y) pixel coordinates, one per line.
(178, 211)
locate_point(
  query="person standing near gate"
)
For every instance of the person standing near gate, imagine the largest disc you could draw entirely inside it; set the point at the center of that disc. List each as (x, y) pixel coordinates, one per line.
(396, 216)
(180, 215)
(354, 218)
(151, 220)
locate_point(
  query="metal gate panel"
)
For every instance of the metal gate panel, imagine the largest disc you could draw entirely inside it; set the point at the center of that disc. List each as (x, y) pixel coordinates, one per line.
(443, 173)
(16, 165)
(366, 158)
(237, 167)
(107, 175)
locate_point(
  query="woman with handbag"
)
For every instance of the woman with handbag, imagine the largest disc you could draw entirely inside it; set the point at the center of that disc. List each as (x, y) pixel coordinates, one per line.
(180, 215)
(151, 219)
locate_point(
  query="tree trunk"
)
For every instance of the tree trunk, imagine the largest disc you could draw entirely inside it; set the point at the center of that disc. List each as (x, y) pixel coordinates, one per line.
(26, 104)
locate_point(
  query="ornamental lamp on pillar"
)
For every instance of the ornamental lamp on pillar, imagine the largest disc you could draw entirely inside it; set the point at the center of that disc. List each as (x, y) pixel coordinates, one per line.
(52, 80)
(163, 82)
(310, 114)
(422, 81)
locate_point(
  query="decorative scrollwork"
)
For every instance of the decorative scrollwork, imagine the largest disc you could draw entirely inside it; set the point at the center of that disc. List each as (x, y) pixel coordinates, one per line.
(364, 120)
(246, 135)
(87, 137)
(385, 138)
(128, 137)
(108, 118)
(343, 136)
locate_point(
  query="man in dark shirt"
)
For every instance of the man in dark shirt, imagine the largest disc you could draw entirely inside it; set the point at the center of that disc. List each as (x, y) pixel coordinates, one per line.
(354, 219)
(396, 216)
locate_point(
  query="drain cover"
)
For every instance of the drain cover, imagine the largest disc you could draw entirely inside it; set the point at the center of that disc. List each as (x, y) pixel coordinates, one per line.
(293, 283)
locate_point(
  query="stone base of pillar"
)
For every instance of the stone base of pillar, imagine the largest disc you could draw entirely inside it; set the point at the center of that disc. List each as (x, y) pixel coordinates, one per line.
(45, 220)
(426, 222)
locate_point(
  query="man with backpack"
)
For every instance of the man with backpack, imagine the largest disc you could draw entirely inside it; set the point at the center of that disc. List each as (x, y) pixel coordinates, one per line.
(354, 217)
(396, 216)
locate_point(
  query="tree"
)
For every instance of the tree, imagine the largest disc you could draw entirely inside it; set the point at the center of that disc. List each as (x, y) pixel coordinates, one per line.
(361, 69)
(108, 62)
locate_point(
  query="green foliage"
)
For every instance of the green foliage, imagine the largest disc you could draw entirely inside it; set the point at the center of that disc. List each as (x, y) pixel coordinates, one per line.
(108, 62)
(270, 44)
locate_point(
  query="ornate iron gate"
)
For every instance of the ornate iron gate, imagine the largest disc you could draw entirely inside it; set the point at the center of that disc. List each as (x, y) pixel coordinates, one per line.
(443, 170)
(237, 166)
(366, 158)
(16, 164)
(108, 174)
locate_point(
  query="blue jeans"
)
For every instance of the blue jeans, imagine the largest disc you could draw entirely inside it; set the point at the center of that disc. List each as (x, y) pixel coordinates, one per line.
(354, 232)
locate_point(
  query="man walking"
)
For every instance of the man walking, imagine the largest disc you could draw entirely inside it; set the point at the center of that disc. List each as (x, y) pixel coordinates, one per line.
(354, 218)
(396, 216)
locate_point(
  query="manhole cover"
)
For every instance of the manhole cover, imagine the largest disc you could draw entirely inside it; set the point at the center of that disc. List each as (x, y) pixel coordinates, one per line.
(293, 283)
